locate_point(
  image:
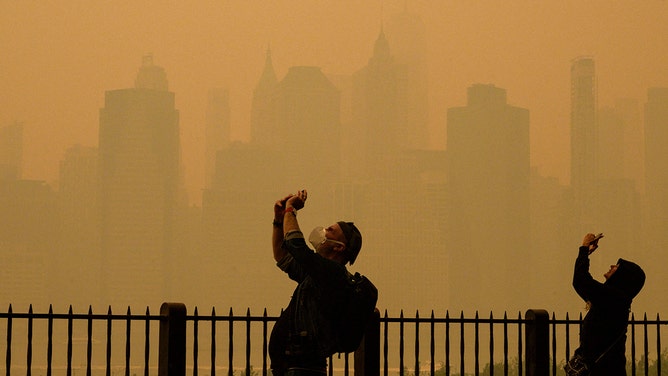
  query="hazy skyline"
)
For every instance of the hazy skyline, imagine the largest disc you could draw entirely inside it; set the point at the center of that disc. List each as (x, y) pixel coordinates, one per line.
(59, 61)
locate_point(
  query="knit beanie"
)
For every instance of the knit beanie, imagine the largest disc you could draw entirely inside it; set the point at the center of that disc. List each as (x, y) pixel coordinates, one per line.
(353, 239)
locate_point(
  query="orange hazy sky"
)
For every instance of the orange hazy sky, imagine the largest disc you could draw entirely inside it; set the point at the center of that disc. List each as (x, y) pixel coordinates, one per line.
(59, 57)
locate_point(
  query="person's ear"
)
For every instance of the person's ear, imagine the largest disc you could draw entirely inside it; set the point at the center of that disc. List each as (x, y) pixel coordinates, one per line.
(339, 247)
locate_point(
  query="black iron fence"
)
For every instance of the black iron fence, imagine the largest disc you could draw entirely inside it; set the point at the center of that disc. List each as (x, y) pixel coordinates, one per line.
(173, 342)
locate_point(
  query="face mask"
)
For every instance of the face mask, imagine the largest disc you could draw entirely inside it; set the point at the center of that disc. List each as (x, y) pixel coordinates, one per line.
(318, 238)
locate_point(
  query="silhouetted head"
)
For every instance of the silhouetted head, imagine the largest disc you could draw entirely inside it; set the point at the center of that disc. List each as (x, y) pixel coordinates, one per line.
(629, 278)
(353, 240)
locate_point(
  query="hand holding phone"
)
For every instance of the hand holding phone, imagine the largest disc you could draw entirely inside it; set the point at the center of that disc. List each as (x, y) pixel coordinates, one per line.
(591, 240)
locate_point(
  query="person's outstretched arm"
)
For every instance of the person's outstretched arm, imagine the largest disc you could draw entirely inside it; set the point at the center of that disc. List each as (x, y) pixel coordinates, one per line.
(277, 233)
(294, 203)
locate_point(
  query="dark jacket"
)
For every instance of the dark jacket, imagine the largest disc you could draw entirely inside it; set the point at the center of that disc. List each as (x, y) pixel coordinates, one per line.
(304, 334)
(607, 318)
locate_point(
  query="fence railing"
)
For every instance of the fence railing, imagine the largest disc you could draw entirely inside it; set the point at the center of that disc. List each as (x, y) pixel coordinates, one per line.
(175, 343)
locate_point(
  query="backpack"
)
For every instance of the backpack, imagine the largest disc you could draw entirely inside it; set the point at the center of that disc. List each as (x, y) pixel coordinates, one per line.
(357, 312)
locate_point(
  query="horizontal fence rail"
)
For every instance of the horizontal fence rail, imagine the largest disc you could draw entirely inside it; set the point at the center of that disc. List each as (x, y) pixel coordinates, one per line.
(174, 343)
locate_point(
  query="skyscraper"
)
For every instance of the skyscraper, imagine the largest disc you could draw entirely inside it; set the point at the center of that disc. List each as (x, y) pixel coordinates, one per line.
(407, 34)
(139, 173)
(655, 238)
(262, 132)
(617, 196)
(217, 136)
(296, 145)
(376, 109)
(11, 151)
(656, 164)
(78, 266)
(307, 127)
(488, 199)
(584, 141)
(30, 238)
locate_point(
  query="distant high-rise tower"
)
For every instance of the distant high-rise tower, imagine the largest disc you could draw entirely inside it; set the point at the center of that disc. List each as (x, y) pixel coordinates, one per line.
(139, 173)
(377, 109)
(11, 151)
(656, 165)
(584, 140)
(407, 35)
(262, 130)
(78, 186)
(218, 130)
(488, 200)
(655, 235)
(295, 144)
(307, 113)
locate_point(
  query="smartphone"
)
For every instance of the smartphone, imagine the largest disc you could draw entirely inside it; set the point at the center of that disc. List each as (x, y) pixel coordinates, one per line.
(597, 237)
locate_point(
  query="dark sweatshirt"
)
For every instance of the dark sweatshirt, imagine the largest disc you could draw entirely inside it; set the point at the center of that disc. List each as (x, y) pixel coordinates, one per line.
(607, 318)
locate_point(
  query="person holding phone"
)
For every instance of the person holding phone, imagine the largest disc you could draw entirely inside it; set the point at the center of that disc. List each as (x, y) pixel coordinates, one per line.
(603, 331)
(305, 334)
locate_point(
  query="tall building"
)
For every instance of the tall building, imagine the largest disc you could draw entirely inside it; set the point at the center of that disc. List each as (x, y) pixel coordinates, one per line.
(139, 170)
(376, 134)
(79, 265)
(656, 169)
(30, 238)
(488, 200)
(655, 238)
(407, 34)
(306, 114)
(296, 145)
(617, 196)
(217, 133)
(630, 113)
(263, 133)
(11, 151)
(584, 141)
(396, 185)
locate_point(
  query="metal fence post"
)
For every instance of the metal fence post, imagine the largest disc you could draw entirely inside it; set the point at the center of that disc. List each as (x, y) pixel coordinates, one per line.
(367, 356)
(172, 355)
(537, 339)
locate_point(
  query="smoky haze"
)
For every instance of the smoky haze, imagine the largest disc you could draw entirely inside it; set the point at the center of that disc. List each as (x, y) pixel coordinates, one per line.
(473, 143)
